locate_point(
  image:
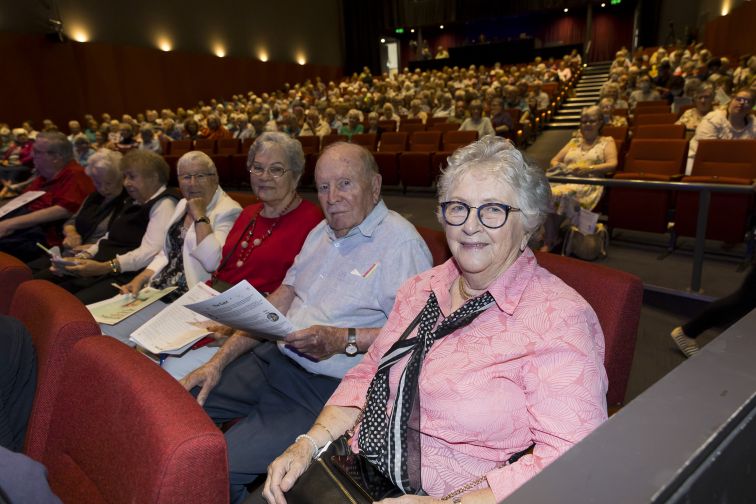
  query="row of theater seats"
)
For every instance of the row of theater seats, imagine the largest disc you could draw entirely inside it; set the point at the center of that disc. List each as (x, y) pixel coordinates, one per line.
(664, 160)
(406, 159)
(110, 426)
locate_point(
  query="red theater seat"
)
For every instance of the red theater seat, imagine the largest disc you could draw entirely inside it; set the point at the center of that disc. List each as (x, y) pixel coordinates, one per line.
(616, 298)
(453, 140)
(12, 273)
(229, 146)
(675, 131)
(367, 140)
(205, 145)
(123, 431)
(425, 141)
(393, 142)
(56, 321)
(436, 242)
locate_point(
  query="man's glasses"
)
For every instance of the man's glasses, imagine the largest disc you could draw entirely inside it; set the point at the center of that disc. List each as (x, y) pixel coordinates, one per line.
(274, 171)
(491, 215)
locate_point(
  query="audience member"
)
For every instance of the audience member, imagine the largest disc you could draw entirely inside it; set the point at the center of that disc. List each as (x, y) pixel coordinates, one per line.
(149, 141)
(126, 140)
(703, 104)
(644, 93)
(82, 149)
(733, 122)
(607, 114)
(65, 185)
(476, 121)
(314, 125)
(586, 155)
(451, 331)
(353, 125)
(214, 130)
(339, 291)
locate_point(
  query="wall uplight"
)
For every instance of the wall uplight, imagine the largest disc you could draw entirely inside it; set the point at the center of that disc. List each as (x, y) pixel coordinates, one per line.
(79, 34)
(301, 59)
(412, 30)
(219, 50)
(725, 7)
(603, 5)
(164, 44)
(262, 55)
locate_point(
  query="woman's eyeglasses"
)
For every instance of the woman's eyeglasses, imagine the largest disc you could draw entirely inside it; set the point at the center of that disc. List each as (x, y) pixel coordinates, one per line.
(274, 171)
(491, 215)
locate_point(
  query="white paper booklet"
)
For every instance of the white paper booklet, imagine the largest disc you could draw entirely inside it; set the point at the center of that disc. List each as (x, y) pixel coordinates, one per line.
(114, 310)
(19, 201)
(242, 307)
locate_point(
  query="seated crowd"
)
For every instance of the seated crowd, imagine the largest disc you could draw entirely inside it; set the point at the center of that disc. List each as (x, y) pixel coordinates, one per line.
(437, 373)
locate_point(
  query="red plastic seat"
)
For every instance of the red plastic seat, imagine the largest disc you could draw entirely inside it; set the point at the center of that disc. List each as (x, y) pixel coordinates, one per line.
(239, 172)
(332, 138)
(415, 169)
(651, 109)
(229, 146)
(436, 242)
(223, 166)
(245, 199)
(56, 320)
(663, 118)
(393, 142)
(405, 127)
(388, 166)
(425, 141)
(455, 139)
(616, 298)
(179, 147)
(122, 431)
(246, 144)
(659, 131)
(367, 140)
(13, 273)
(444, 127)
(205, 145)
(310, 144)
(651, 104)
(616, 132)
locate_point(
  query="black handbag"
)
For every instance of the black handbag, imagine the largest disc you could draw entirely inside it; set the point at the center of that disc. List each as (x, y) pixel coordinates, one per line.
(339, 476)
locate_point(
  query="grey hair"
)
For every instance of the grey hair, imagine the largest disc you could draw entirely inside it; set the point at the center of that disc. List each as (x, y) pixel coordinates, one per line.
(60, 143)
(105, 160)
(147, 163)
(593, 110)
(499, 157)
(295, 158)
(196, 157)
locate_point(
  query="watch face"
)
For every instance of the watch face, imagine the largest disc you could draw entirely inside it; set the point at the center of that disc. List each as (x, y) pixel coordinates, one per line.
(351, 350)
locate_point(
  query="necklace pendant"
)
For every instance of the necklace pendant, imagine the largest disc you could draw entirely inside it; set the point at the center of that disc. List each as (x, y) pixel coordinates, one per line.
(244, 244)
(256, 242)
(239, 263)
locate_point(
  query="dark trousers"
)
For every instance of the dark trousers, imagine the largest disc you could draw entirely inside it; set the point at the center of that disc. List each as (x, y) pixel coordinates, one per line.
(276, 400)
(22, 244)
(18, 381)
(726, 310)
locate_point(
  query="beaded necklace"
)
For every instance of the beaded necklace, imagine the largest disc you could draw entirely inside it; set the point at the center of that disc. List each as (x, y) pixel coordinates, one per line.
(245, 244)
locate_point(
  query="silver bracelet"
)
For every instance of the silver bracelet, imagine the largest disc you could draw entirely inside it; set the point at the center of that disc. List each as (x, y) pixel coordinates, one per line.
(312, 442)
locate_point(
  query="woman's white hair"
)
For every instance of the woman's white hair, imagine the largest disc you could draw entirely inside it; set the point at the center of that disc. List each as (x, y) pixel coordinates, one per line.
(499, 157)
(104, 160)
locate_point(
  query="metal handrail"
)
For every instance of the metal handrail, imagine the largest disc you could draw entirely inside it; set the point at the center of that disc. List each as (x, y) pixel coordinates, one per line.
(704, 201)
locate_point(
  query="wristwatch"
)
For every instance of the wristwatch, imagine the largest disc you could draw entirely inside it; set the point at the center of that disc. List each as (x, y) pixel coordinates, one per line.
(351, 346)
(202, 219)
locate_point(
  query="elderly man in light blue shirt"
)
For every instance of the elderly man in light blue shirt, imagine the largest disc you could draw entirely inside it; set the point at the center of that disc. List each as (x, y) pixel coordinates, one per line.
(339, 291)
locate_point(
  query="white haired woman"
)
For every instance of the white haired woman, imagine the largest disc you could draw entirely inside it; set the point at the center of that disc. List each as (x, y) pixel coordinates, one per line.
(504, 359)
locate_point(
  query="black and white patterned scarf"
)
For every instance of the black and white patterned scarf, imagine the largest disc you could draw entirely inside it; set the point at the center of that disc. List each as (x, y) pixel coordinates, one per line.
(392, 443)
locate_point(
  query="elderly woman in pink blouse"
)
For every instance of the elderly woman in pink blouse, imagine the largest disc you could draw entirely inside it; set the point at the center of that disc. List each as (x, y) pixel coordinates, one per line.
(494, 361)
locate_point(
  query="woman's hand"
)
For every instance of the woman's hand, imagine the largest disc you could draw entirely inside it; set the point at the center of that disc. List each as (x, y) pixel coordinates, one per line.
(284, 471)
(206, 377)
(136, 284)
(88, 268)
(197, 208)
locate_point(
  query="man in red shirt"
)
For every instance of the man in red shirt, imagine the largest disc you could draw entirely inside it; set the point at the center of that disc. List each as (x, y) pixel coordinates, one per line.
(65, 184)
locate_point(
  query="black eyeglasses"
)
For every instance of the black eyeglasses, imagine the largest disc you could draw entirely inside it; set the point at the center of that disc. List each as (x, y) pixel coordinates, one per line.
(491, 215)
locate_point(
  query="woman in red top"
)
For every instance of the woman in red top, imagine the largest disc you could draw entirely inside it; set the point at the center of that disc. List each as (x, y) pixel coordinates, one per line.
(268, 235)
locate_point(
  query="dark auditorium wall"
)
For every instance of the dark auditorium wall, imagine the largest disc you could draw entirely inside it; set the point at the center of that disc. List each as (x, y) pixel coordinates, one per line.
(122, 71)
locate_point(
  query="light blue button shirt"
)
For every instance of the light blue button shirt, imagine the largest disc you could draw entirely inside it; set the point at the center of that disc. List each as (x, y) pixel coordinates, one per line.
(352, 281)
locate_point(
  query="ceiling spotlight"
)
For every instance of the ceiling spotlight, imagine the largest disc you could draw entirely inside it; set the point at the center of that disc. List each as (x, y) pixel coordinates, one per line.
(412, 30)
(566, 9)
(383, 41)
(441, 27)
(219, 51)
(263, 55)
(164, 44)
(603, 5)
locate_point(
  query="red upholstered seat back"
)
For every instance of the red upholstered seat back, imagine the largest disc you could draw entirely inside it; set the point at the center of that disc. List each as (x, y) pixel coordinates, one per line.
(56, 320)
(124, 431)
(12, 273)
(436, 241)
(616, 298)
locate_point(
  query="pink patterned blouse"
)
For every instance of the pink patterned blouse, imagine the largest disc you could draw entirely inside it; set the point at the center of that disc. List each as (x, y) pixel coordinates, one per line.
(528, 370)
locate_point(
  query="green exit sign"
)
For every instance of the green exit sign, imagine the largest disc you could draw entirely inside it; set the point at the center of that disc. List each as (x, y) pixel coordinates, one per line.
(615, 2)
(399, 30)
